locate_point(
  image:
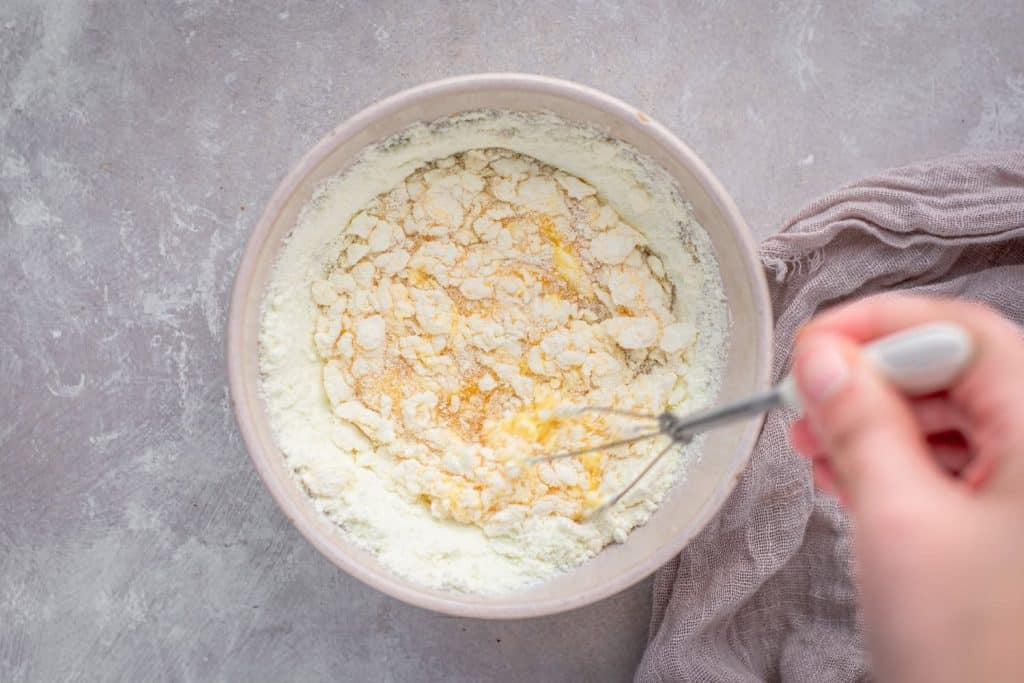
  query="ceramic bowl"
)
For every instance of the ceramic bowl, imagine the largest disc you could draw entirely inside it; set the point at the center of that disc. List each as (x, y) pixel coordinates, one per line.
(689, 505)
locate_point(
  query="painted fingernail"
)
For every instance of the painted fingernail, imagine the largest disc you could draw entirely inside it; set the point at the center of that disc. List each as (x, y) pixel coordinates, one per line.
(823, 372)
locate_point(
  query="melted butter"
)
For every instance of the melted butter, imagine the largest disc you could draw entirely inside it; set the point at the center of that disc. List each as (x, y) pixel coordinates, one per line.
(567, 263)
(536, 423)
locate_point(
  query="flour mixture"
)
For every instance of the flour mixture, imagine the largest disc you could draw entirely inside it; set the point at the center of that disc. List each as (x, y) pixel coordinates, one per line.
(438, 301)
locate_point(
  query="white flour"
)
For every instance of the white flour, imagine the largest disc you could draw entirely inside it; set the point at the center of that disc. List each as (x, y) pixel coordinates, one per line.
(408, 364)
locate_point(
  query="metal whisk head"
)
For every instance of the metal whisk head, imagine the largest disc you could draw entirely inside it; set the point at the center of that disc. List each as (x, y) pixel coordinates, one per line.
(679, 430)
(664, 424)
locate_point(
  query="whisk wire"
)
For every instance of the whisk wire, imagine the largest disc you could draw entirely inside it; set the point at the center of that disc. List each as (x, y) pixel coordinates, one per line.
(679, 430)
(616, 411)
(636, 480)
(593, 449)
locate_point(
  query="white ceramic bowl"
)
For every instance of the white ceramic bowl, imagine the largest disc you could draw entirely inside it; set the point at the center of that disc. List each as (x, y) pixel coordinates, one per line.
(689, 505)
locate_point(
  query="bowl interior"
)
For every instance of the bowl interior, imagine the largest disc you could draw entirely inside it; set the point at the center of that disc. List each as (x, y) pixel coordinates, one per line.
(688, 506)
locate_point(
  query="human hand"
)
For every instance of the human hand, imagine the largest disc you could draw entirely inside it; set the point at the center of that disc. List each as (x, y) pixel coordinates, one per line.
(934, 486)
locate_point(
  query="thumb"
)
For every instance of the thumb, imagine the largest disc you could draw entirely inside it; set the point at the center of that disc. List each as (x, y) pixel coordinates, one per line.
(874, 444)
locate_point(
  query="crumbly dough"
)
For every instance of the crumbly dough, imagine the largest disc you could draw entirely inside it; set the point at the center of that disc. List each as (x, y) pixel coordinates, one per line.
(438, 304)
(481, 292)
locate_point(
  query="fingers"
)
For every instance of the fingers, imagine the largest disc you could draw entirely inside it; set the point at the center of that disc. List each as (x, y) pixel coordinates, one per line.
(949, 435)
(804, 441)
(952, 455)
(875, 447)
(990, 393)
(936, 417)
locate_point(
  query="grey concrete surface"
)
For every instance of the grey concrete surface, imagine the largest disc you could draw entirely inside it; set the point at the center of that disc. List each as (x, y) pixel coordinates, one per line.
(138, 141)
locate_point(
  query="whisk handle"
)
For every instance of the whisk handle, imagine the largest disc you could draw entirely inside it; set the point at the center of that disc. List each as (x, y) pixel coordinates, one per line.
(918, 361)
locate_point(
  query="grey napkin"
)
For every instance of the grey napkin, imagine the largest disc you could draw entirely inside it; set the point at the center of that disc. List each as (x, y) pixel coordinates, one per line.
(766, 591)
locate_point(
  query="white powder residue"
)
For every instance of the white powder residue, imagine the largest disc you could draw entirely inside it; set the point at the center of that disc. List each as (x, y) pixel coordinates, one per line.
(440, 298)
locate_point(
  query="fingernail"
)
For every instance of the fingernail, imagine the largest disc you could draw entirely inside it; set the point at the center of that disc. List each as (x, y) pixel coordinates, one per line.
(823, 372)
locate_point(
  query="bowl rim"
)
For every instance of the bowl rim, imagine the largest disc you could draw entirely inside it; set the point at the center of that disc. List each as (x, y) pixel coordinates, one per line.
(242, 407)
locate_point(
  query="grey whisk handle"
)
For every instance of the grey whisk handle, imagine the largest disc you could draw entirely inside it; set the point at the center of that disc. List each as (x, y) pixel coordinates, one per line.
(919, 361)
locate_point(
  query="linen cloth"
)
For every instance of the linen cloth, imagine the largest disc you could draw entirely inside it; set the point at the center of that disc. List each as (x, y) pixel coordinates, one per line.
(766, 591)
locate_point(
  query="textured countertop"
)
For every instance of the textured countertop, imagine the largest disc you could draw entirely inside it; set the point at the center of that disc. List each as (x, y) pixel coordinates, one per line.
(138, 142)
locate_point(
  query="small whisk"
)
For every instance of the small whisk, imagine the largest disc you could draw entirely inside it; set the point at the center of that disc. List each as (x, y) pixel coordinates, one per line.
(919, 361)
